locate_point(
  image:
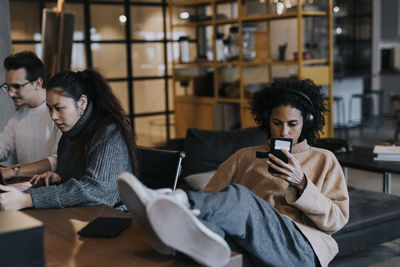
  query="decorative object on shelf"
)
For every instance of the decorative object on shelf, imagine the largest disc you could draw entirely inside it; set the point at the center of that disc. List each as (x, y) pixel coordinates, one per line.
(233, 49)
(184, 49)
(248, 43)
(219, 44)
(282, 51)
(306, 55)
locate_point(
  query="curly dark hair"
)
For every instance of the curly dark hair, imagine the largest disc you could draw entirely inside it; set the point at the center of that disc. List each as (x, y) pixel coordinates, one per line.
(274, 95)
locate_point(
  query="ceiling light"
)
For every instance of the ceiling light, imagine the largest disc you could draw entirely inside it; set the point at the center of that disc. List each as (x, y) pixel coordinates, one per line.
(122, 19)
(336, 9)
(184, 15)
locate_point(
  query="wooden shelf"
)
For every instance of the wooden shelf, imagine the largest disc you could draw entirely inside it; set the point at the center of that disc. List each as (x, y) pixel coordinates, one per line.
(287, 15)
(224, 1)
(269, 62)
(315, 14)
(192, 24)
(251, 63)
(227, 63)
(232, 77)
(195, 64)
(228, 100)
(189, 3)
(316, 61)
(266, 17)
(225, 21)
(196, 99)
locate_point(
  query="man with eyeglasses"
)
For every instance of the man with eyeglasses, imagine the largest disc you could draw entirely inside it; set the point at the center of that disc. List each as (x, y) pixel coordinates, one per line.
(30, 134)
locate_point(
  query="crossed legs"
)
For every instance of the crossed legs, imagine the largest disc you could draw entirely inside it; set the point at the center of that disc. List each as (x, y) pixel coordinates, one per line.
(234, 216)
(252, 227)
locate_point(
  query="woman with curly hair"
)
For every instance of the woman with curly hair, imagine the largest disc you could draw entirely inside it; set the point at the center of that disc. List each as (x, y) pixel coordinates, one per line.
(282, 217)
(304, 96)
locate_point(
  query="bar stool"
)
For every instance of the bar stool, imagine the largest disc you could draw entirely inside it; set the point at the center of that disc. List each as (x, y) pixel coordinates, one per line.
(339, 111)
(382, 95)
(366, 101)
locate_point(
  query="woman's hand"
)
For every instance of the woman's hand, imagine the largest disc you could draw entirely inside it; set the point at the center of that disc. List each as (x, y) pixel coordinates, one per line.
(291, 171)
(49, 177)
(13, 199)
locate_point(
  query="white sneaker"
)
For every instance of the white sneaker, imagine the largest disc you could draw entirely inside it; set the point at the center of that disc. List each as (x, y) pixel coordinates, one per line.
(179, 228)
(136, 196)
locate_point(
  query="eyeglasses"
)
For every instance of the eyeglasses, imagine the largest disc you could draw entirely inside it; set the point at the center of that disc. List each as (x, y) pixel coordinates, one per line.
(16, 86)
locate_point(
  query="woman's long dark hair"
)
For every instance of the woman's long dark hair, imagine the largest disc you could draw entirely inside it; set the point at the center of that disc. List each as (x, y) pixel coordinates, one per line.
(107, 108)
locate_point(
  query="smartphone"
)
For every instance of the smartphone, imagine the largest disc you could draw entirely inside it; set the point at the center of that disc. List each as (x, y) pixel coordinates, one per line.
(276, 145)
(105, 227)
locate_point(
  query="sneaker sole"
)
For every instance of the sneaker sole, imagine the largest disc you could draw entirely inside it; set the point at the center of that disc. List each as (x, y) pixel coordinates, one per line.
(133, 195)
(185, 233)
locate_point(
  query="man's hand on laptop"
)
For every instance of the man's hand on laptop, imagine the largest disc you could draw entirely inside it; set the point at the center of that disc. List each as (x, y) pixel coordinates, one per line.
(7, 173)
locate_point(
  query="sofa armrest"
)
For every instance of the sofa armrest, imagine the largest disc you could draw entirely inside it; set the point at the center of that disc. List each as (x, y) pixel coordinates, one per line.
(374, 219)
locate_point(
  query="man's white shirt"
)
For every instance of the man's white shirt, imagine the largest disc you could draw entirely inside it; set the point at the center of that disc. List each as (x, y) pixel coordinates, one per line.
(31, 135)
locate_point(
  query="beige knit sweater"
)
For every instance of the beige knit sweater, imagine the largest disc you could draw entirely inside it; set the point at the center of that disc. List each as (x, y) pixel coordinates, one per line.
(322, 208)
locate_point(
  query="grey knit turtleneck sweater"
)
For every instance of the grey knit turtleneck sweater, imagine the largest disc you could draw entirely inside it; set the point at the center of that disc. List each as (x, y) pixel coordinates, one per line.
(94, 181)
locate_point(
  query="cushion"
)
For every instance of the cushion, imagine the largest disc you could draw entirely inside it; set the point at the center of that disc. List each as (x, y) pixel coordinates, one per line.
(374, 219)
(206, 150)
(198, 181)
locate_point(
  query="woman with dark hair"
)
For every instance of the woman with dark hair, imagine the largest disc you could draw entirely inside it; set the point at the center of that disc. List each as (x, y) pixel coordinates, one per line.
(304, 96)
(273, 213)
(96, 146)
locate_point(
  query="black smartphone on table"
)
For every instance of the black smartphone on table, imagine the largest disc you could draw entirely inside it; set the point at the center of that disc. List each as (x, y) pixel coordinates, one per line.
(105, 227)
(276, 144)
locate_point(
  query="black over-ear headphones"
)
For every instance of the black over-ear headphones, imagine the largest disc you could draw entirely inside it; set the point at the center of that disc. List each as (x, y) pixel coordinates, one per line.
(308, 118)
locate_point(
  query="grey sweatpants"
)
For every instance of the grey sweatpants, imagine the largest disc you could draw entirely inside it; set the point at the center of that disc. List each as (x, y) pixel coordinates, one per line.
(252, 227)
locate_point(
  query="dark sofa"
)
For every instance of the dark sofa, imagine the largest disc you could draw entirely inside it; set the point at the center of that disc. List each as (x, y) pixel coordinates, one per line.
(374, 216)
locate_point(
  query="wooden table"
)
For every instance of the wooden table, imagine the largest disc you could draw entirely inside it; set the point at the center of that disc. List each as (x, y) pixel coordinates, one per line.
(362, 158)
(64, 247)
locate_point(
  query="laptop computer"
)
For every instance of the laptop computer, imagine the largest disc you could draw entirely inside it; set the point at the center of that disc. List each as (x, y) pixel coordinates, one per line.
(23, 186)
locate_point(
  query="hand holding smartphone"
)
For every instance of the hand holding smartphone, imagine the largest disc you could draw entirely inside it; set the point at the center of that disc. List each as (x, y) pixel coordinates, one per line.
(276, 145)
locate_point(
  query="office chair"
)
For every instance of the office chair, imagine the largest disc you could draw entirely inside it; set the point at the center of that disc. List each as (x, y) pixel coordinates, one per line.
(159, 168)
